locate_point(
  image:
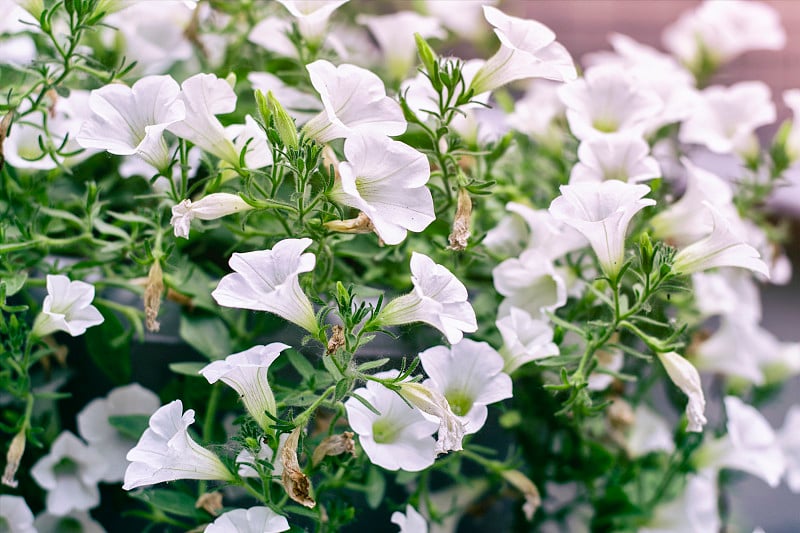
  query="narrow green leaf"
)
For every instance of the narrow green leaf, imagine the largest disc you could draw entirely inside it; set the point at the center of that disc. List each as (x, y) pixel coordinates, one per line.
(207, 334)
(187, 369)
(109, 346)
(300, 363)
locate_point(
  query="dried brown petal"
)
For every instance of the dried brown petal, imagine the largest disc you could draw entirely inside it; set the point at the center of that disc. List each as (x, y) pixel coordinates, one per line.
(461, 225)
(521, 482)
(360, 224)
(334, 445)
(210, 502)
(14, 456)
(152, 296)
(296, 483)
(336, 341)
(620, 414)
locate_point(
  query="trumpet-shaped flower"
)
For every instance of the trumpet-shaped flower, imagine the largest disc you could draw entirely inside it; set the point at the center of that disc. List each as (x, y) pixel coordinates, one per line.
(530, 283)
(721, 248)
(733, 350)
(252, 520)
(470, 376)
(104, 439)
(400, 438)
(602, 212)
(247, 373)
(528, 49)
(77, 521)
(354, 101)
(67, 307)
(438, 299)
(267, 280)
(620, 156)
(210, 207)
(525, 339)
(789, 440)
(166, 452)
(132, 120)
(69, 474)
(312, 16)
(686, 378)
(410, 521)
(15, 515)
(386, 180)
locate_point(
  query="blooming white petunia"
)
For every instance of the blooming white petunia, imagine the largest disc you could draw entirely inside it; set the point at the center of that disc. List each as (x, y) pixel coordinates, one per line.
(789, 440)
(210, 207)
(525, 339)
(695, 511)
(602, 212)
(252, 520)
(620, 156)
(69, 474)
(247, 373)
(106, 440)
(529, 282)
(728, 292)
(438, 299)
(535, 113)
(470, 376)
(733, 350)
(15, 515)
(76, 521)
(166, 452)
(354, 101)
(386, 180)
(686, 378)
(67, 307)
(312, 16)
(132, 120)
(410, 521)
(400, 438)
(267, 280)
(528, 49)
(272, 33)
(648, 433)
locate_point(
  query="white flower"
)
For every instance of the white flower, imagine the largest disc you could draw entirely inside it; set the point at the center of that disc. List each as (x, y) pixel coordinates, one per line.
(432, 403)
(250, 135)
(789, 440)
(166, 452)
(649, 433)
(267, 280)
(247, 373)
(729, 292)
(386, 180)
(69, 474)
(686, 378)
(721, 248)
(210, 207)
(620, 156)
(410, 521)
(535, 113)
(733, 350)
(76, 521)
(602, 212)
(312, 16)
(272, 34)
(15, 515)
(67, 307)
(252, 520)
(354, 101)
(399, 438)
(530, 283)
(104, 439)
(438, 299)
(693, 512)
(466, 21)
(132, 120)
(470, 376)
(300, 105)
(525, 339)
(528, 49)
(609, 359)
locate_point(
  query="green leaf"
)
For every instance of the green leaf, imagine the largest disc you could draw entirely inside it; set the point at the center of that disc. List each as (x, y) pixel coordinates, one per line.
(375, 487)
(109, 346)
(189, 368)
(207, 334)
(13, 282)
(132, 426)
(369, 365)
(109, 229)
(169, 501)
(300, 363)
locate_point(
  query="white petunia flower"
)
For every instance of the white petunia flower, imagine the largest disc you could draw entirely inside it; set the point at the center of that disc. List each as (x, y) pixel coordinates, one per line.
(410, 521)
(166, 452)
(267, 280)
(528, 49)
(354, 101)
(106, 440)
(620, 156)
(247, 373)
(252, 520)
(530, 283)
(132, 120)
(210, 207)
(67, 307)
(400, 438)
(69, 474)
(271, 34)
(438, 299)
(312, 16)
(602, 212)
(470, 376)
(693, 512)
(525, 339)
(386, 180)
(686, 378)
(789, 440)
(74, 522)
(15, 515)
(649, 433)
(536, 112)
(727, 292)
(733, 350)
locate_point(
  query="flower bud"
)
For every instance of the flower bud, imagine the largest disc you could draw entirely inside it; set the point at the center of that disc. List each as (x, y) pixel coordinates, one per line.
(461, 224)
(296, 483)
(152, 295)
(13, 457)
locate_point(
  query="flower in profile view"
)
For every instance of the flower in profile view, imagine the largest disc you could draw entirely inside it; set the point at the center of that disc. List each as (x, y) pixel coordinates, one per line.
(410, 521)
(386, 179)
(76, 521)
(525, 339)
(15, 514)
(438, 299)
(267, 280)
(528, 49)
(622, 156)
(252, 520)
(684, 375)
(132, 120)
(354, 101)
(602, 212)
(247, 373)
(210, 207)
(69, 474)
(695, 511)
(67, 307)
(166, 452)
(312, 16)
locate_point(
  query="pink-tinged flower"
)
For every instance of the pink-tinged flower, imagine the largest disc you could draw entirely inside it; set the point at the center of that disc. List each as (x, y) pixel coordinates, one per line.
(252, 520)
(67, 307)
(210, 207)
(686, 378)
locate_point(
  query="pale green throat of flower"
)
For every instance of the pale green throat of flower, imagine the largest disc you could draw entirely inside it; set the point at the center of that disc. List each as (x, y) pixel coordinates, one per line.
(460, 402)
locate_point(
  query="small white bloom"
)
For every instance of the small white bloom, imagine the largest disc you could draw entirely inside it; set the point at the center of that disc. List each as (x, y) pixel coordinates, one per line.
(547, 235)
(733, 350)
(386, 180)
(649, 433)
(252, 520)
(410, 521)
(525, 339)
(530, 283)
(535, 113)
(69, 474)
(267, 280)
(247, 373)
(696, 511)
(271, 34)
(466, 21)
(395, 36)
(250, 136)
(438, 299)
(789, 440)
(620, 156)
(166, 452)
(76, 521)
(528, 49)
(432, 403)
(686, 378)
(354, 101)
(602, 212)
(67, 307)
(15, 515)
(210, 207)
(312, 16)
(728, 292)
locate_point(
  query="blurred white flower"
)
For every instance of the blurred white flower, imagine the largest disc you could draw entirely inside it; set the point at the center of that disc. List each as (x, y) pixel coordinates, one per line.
(729, 292)
(695, 511)
(395, 36)
(620, 156)
(649, 433)
(525, 339)
(74, 522)
(466, 21)
(15, 514)
(535, 113)
(789, 440)
(67, 307)
(410, 521)
(252, 520)
(529, 282)
(686, 378)
(609, 359)
(271, 34)
(422, 98)
(210, 207)
(312, 16)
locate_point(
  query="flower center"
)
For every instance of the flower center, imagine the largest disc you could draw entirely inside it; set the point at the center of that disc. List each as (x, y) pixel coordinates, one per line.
(606, 125)
(5, 527)
(66, 467)
(384, 431)
(460, 402)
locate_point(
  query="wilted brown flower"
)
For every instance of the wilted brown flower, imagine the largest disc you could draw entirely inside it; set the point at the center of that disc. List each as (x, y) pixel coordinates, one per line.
(529, 491)
(14, 456)
(334, 445)
(210, 502)
(296, 483)
(336, 341)
(152, 296)
(461, 224)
